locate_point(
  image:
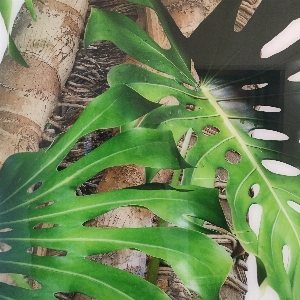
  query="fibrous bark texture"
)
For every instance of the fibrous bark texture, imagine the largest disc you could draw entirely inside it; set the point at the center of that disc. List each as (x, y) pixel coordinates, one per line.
(29, 95)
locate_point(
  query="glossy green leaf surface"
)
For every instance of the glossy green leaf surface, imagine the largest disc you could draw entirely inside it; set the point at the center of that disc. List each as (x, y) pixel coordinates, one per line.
(5, 10)
(14, 52)
(238, 85)
(30, 8)
(130, 38)
(21, 210)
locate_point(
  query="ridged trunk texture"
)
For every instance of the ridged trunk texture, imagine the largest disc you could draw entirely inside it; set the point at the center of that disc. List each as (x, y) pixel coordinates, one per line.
(29, 95)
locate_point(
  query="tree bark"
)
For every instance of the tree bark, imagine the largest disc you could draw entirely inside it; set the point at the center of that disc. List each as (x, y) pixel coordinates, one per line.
(29, 95)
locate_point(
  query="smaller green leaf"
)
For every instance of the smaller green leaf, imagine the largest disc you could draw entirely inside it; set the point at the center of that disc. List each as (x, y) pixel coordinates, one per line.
(129, 37)
(30, 7)
(14, 52)
(5, 10)
(151, 85)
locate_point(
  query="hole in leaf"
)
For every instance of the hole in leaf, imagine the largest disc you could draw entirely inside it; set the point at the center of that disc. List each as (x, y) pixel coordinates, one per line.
(221, 178)
(250, 87)
(45, 225)
(34, 187)
(46, 204)
(295, 206)
(233, 157)
(268, 135)
(85, 145)
(5, 230)
(254, 190)
(295, 77)
(254, 216)
(264, 108)
(188, 140)
(161, 39)
(280, 168)
(132, 261)
(245, 12)
(42, 251)
(4, 247)
(70, 296)
(210, 130)
(286, 257)
(20, 280)
(33, 283)
(283, 40)
(169, 101)
(190, 107)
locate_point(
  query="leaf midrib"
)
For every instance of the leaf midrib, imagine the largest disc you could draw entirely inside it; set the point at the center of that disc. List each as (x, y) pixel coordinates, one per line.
(231, 128)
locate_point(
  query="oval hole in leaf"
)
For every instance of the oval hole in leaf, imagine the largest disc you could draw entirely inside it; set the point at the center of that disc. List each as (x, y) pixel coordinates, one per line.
(268, 135)
(67, 296)
(280, 168)
(254, 190)
(190, 107)
(45, 225)
(250, 87)
(210, 130)
(254, 216)
(295, 77)
(264, 108)
(295, 206)
(42, 251)
(34, 187)
(4, 247)
(5, 230)
(169, 101)
(286, 257)
(46, 204)
(233, 157)
(283, 40)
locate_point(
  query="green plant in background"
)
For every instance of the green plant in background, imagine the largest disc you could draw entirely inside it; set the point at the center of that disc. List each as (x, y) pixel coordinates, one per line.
(240, 96)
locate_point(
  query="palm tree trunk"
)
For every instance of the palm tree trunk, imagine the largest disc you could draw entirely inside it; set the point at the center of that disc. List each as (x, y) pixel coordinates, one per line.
(29, 95)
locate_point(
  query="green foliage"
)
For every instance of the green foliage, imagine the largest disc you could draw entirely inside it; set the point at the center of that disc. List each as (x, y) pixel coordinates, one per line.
(191, 254)
(226, 61)
(5, 10)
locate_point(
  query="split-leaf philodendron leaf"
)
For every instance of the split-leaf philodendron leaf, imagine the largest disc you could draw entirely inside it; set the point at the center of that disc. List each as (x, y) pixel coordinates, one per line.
(247, 101)
(191, 254)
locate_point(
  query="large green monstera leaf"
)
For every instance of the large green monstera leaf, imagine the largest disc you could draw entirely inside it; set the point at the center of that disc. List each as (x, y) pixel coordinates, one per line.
(247, 104)
(191, 254)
